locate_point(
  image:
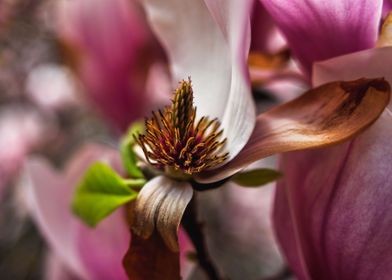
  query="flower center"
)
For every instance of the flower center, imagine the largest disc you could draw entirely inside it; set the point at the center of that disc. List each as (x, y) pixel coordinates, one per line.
(175, 142)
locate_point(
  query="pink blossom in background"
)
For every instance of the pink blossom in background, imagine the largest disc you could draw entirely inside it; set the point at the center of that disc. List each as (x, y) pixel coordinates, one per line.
(20, 132)
(77, 251)
(111, 47)
(84, 252)
(342, 27)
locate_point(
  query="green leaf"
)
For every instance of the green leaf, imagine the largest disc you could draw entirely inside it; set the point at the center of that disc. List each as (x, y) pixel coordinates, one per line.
(256, 177)
(128, 156)
(100, 192)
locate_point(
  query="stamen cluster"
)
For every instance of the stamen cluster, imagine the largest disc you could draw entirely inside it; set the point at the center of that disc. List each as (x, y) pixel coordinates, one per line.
(173, 138)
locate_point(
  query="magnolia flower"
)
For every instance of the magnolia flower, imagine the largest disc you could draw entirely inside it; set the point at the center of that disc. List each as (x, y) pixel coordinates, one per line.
(331, 207)
(111, 48)
(224, 135)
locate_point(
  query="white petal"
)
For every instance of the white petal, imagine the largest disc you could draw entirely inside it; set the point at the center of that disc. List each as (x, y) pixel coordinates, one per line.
(171, 212)
(161, 202)
(215, 58)
(147, 204)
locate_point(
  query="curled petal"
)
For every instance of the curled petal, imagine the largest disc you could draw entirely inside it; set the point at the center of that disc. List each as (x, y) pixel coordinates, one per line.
(323, 116)
(161, 203)
(148, 202)
(318, 30)
(187, 29)
(171, 212)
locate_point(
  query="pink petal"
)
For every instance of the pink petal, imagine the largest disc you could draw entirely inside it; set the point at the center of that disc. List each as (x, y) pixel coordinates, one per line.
(159, 85)
(56, 270)
(330, 207)
(89, 254)
(210, 44)
(111, 48)
(20, 133)
(386, 7)
(286, 88)
(318, 30)
(50, 209)
(331, 211)
(284, 83)
(186, 247)
(102, 249)
(266, 37)
(369, 63)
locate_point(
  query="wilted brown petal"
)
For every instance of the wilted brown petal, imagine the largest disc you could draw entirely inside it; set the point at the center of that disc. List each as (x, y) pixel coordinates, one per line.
(321, 117)
(161, 202)
(151, 259)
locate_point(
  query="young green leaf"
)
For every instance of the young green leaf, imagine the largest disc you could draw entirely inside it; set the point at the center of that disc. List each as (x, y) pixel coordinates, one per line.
(100, 192)
(128, 156)
(256, 177)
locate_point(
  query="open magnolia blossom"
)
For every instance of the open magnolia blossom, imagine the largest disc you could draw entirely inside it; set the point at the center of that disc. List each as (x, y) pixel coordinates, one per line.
(187, 150)
(183, 150)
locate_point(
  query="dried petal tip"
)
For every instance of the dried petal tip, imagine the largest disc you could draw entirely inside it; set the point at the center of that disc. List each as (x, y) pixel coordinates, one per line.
(176, 143)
